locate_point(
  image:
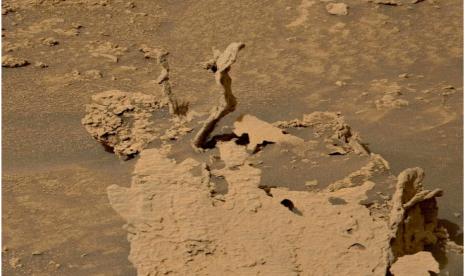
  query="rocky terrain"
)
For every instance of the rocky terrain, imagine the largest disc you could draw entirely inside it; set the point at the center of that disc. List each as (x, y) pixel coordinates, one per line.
(392, 69)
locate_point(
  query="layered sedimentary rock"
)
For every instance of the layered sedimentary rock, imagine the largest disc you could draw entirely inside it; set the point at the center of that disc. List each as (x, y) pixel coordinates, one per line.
(356, 225)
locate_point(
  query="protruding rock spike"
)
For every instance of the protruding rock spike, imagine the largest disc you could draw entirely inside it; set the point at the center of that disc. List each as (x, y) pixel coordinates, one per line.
(220, 65)
(161, 55)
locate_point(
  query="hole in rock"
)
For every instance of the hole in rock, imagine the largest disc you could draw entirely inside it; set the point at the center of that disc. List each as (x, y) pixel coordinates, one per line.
(290, 205)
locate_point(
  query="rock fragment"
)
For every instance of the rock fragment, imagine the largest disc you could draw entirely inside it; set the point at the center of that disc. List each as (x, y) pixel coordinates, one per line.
(337, 8)
(49, 41)
(93, 74)
(418, 264)
(13, 62)
(121, 121)
(40, 64)
(15, 262)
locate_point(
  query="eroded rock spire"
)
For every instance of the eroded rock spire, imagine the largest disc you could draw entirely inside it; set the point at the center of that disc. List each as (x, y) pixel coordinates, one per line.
(220, 65)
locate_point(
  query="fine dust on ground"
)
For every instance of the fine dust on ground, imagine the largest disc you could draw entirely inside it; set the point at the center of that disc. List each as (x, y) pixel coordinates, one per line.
(393, 71)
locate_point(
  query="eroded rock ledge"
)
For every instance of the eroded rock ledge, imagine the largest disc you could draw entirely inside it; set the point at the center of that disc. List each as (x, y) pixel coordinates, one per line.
(359, 225)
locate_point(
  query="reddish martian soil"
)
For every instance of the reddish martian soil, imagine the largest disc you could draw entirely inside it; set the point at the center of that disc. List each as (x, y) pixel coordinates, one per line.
(232, 137)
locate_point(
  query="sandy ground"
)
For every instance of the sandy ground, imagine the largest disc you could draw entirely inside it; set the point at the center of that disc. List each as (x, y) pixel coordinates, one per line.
(367, 64)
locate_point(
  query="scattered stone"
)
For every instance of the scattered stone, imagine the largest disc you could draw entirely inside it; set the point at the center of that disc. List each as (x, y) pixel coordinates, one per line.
(337, 8)
(418, 264)
(50, 41)
(340, 83)
(387, 2)
(93, 74)
(291, 39)
(15, 262)
(13, 62)
(449, 87)
(107, 50)
(404, 76)
(303, 10)
(390, 101)
(76, 26)
(6, 8)
(40, 64)
(54, 264)
(311, 183)
(391, 94)
(37, 253)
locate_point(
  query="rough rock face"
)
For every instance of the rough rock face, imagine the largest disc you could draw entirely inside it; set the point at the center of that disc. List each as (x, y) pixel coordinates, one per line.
(413, 218)
(177, 225)
(121, 121)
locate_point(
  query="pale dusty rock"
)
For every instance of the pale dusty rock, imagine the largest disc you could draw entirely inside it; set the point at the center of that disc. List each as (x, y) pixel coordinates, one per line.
(40, 64)
(395, 2)
(177, 225)
(303, 13)
(390, 101)
(93, 74)
(49, 41)
(391, 94)
(121, 121)
(337, 8)
(260, 132)
(377, 166)
(7, 8)
(418, 264)
(311, 183)
(174, 227)
(106, 50)
(177, 130)
(342, 141)
(387, 2)
(15, 262)
(12, 62)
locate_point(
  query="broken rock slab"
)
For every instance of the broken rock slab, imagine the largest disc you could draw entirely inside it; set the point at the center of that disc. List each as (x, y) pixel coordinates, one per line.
(260, 132)
(418, 264)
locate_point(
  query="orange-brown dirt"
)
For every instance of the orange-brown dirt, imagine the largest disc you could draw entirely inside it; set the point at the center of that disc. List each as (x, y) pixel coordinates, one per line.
(392, 68)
